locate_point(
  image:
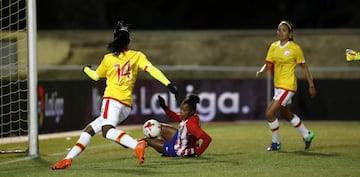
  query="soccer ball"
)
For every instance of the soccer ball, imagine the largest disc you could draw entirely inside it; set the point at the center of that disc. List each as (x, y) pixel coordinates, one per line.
(152, 128)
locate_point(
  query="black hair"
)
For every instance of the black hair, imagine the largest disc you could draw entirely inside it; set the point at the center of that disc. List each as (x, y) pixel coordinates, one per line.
(121, 38)
(192, 100)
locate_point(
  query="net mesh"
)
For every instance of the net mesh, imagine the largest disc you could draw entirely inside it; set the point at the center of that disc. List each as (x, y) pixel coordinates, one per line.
(13, 69)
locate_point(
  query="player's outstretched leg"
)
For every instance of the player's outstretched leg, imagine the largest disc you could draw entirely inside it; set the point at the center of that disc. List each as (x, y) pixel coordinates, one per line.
(79, 147)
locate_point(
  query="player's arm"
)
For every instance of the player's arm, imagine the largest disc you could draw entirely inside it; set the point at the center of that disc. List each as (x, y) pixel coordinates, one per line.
(268, 62)
(91, 73)
(158, 75)
(266, 67)
(199, 133)
(171, 114)
(206, 139)
(306, 72)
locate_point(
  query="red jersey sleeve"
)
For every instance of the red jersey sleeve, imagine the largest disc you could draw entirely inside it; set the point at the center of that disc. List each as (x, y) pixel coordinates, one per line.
(193, 127)
(171, 114)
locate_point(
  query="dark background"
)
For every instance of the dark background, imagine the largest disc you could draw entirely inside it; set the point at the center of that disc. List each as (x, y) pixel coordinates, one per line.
(196, 14)
(184, 15)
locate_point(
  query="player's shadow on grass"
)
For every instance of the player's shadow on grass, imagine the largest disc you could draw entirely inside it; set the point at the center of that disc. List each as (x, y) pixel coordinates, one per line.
(224, 154)
(209, 158)
(135, 171)
(315, 151)
(311, 153)
(338, 146)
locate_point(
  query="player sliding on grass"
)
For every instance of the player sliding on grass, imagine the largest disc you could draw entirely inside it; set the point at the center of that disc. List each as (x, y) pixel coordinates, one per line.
(120, 68)
(282, 58)
(181, 142)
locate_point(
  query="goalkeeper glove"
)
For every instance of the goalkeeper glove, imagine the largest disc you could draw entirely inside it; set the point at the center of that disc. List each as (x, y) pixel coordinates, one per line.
(162, 103)
(173, 90)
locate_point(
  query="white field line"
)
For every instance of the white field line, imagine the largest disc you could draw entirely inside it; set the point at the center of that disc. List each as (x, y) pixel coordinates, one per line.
(19, 139)
(57, 135)
(16, 160)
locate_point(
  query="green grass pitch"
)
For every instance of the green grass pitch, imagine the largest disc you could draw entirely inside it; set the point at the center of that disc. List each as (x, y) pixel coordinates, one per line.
(237, 149)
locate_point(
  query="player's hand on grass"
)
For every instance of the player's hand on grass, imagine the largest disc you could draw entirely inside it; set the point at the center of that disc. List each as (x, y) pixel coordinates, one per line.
(173, 90)
(162, 102)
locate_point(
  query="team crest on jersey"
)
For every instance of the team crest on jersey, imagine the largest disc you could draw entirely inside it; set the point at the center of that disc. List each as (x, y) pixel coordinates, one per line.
(287, 52)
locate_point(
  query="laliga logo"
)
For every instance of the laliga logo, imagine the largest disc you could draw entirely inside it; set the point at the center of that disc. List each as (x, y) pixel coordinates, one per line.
(225, 103)
(54, 106)
(50, 106)
(210, 103)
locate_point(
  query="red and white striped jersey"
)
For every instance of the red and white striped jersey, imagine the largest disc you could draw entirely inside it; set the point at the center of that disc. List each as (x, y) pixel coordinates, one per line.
(189, 133)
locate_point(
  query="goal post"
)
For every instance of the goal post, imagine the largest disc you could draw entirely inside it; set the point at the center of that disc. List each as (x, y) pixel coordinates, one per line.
(18, 75)
(32, 54)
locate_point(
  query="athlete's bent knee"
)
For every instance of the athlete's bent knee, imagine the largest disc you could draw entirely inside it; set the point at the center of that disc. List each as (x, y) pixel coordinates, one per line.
(89, 130)
(105, 129)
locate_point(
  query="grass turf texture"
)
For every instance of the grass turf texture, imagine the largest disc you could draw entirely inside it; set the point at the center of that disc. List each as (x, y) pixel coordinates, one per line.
(237, 149)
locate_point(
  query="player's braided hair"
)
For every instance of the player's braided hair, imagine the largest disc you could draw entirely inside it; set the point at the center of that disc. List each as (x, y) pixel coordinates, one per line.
(192, 100)
(121, 38)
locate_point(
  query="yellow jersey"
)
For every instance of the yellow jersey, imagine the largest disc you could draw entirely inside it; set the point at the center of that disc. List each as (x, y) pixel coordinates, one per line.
(284, 59)
(121, 72)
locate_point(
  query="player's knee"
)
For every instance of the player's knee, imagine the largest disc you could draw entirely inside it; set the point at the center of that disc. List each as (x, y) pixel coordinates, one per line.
(105, 129)
(89, 130)
(286, 115)
(269, 114)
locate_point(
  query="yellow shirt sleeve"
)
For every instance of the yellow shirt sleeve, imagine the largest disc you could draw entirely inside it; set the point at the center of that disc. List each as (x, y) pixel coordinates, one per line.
(299, 55)
(157, 74)
(91, 73)
(270, 52)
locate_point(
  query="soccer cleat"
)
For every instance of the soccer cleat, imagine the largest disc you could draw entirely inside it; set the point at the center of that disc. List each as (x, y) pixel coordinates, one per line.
(274, 147)
(309, 139)
(352, 55)
(140, 151)
(61, 165)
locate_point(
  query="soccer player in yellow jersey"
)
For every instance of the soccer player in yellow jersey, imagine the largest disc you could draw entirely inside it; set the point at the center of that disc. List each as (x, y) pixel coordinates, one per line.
(282, 58)
(120, 68)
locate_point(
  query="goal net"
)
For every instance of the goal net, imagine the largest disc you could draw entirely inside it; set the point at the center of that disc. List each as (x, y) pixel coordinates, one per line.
(14, 76)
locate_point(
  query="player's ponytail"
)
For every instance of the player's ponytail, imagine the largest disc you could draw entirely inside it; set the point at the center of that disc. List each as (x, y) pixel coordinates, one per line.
(121, 38)
(192, 100)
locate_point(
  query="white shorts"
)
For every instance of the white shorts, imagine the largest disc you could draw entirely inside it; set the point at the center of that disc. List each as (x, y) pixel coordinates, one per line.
(112, 113)
(283, 96)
